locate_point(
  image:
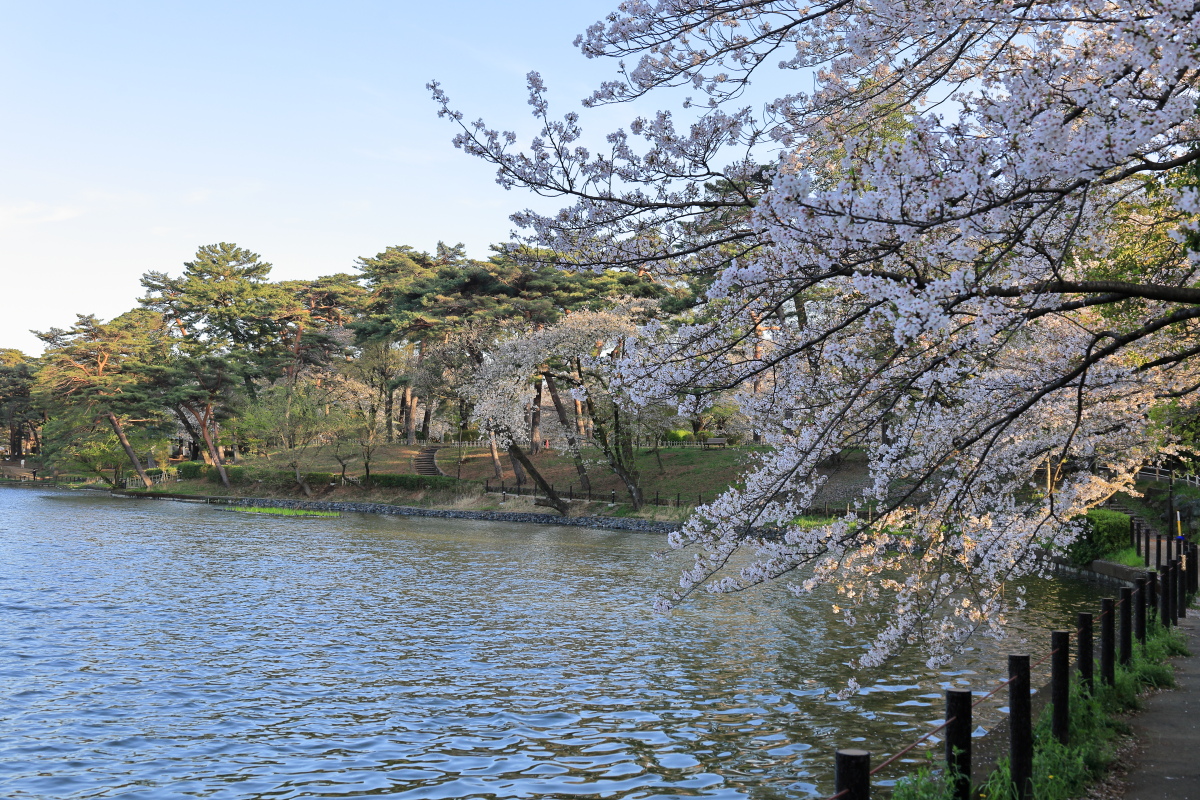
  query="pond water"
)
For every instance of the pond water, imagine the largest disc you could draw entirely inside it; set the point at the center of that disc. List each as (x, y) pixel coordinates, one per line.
(157, 649)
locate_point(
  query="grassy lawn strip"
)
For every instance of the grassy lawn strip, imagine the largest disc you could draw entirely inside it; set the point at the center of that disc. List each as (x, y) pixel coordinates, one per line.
(281, 512)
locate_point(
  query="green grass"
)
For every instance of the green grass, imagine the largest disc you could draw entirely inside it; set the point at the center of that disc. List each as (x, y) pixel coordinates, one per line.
(688, 475)
(1061, 772)
(283, 512)
(1128, 557)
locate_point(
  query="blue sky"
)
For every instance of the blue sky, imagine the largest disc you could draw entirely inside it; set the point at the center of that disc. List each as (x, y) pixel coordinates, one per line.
(136, 131)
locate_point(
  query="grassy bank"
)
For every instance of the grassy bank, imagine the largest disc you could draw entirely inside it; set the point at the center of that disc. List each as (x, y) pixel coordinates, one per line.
(1098, 721)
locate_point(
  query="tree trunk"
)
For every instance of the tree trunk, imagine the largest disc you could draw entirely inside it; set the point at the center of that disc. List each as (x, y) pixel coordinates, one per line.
(518, 470)
(304, 487)
(462, 432)
(133, 459)
(212, 448)
(16, 440)
(756, 385)
(619, 453)
(388, 407)
(552, 498)
(581, 423)
(535, 419)
(584, 482)
(410, 416)
(193, 437)
(497, 467)
(427, 419)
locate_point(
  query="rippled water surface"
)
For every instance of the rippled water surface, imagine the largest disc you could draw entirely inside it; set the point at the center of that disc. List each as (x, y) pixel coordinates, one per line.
(156, 649)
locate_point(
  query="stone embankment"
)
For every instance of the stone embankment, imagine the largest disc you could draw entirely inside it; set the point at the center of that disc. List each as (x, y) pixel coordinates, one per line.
(609, 523)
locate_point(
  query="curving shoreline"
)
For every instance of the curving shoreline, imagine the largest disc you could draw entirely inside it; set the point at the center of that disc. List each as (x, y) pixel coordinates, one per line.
(385, 509)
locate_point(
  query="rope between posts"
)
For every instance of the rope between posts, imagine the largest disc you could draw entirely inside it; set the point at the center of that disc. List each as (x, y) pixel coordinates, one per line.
(1075, 633)
(914, 744)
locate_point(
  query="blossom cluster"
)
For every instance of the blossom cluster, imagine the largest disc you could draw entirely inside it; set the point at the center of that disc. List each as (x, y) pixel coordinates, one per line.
(969, 251)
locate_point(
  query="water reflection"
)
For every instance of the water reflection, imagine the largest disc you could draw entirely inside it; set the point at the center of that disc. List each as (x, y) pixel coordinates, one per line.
(163, 649)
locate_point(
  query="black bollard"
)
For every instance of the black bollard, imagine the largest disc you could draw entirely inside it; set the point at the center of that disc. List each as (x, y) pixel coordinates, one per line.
(1020, 720)
(1181, 589)
(1125, 641)
(1152, 592)
(958, 741)
(1139, 610)
(1108, 674)
(1060, 684)
(1174, 568)
(1191, 568)
(1172, 592)
(1164, 593)
(1194, 570)
(852, 774)
(1083, 626)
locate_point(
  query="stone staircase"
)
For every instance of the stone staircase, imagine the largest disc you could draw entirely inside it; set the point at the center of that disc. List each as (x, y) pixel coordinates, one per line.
(425, 462)
(1151, 538)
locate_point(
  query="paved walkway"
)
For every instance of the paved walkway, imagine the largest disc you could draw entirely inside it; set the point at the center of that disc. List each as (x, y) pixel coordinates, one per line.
(1167, 763)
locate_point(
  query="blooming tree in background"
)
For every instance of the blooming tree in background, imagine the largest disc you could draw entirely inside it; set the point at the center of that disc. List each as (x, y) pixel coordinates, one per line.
(579, 354)
(962, 238)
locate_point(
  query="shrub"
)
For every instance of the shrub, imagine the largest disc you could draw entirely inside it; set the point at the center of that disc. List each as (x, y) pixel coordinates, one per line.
(1107, 534)
(319, 478)
(153, 472)
(413, 482)
(237, 475)
(191, 470)
(678, 436)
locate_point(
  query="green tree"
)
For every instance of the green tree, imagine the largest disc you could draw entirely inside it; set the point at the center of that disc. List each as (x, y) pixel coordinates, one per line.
(17, 411)
(104, 370)
(299, 417)
(224, 300)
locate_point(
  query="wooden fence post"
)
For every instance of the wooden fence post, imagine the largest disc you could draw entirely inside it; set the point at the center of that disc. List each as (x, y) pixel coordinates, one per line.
(1020, 720)
(1164, 593)
(1152, 591)
(1173, 576)
(852, 774)
(1108, 673)
(1060, 684)
(1083, 625)
(958, 741)
(1181, 587)
(1191, 568)
(1126, 640)
(1139, 611)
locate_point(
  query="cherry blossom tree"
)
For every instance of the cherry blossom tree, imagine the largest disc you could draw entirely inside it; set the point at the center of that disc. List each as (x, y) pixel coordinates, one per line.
(961, 236)
(579, 354)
